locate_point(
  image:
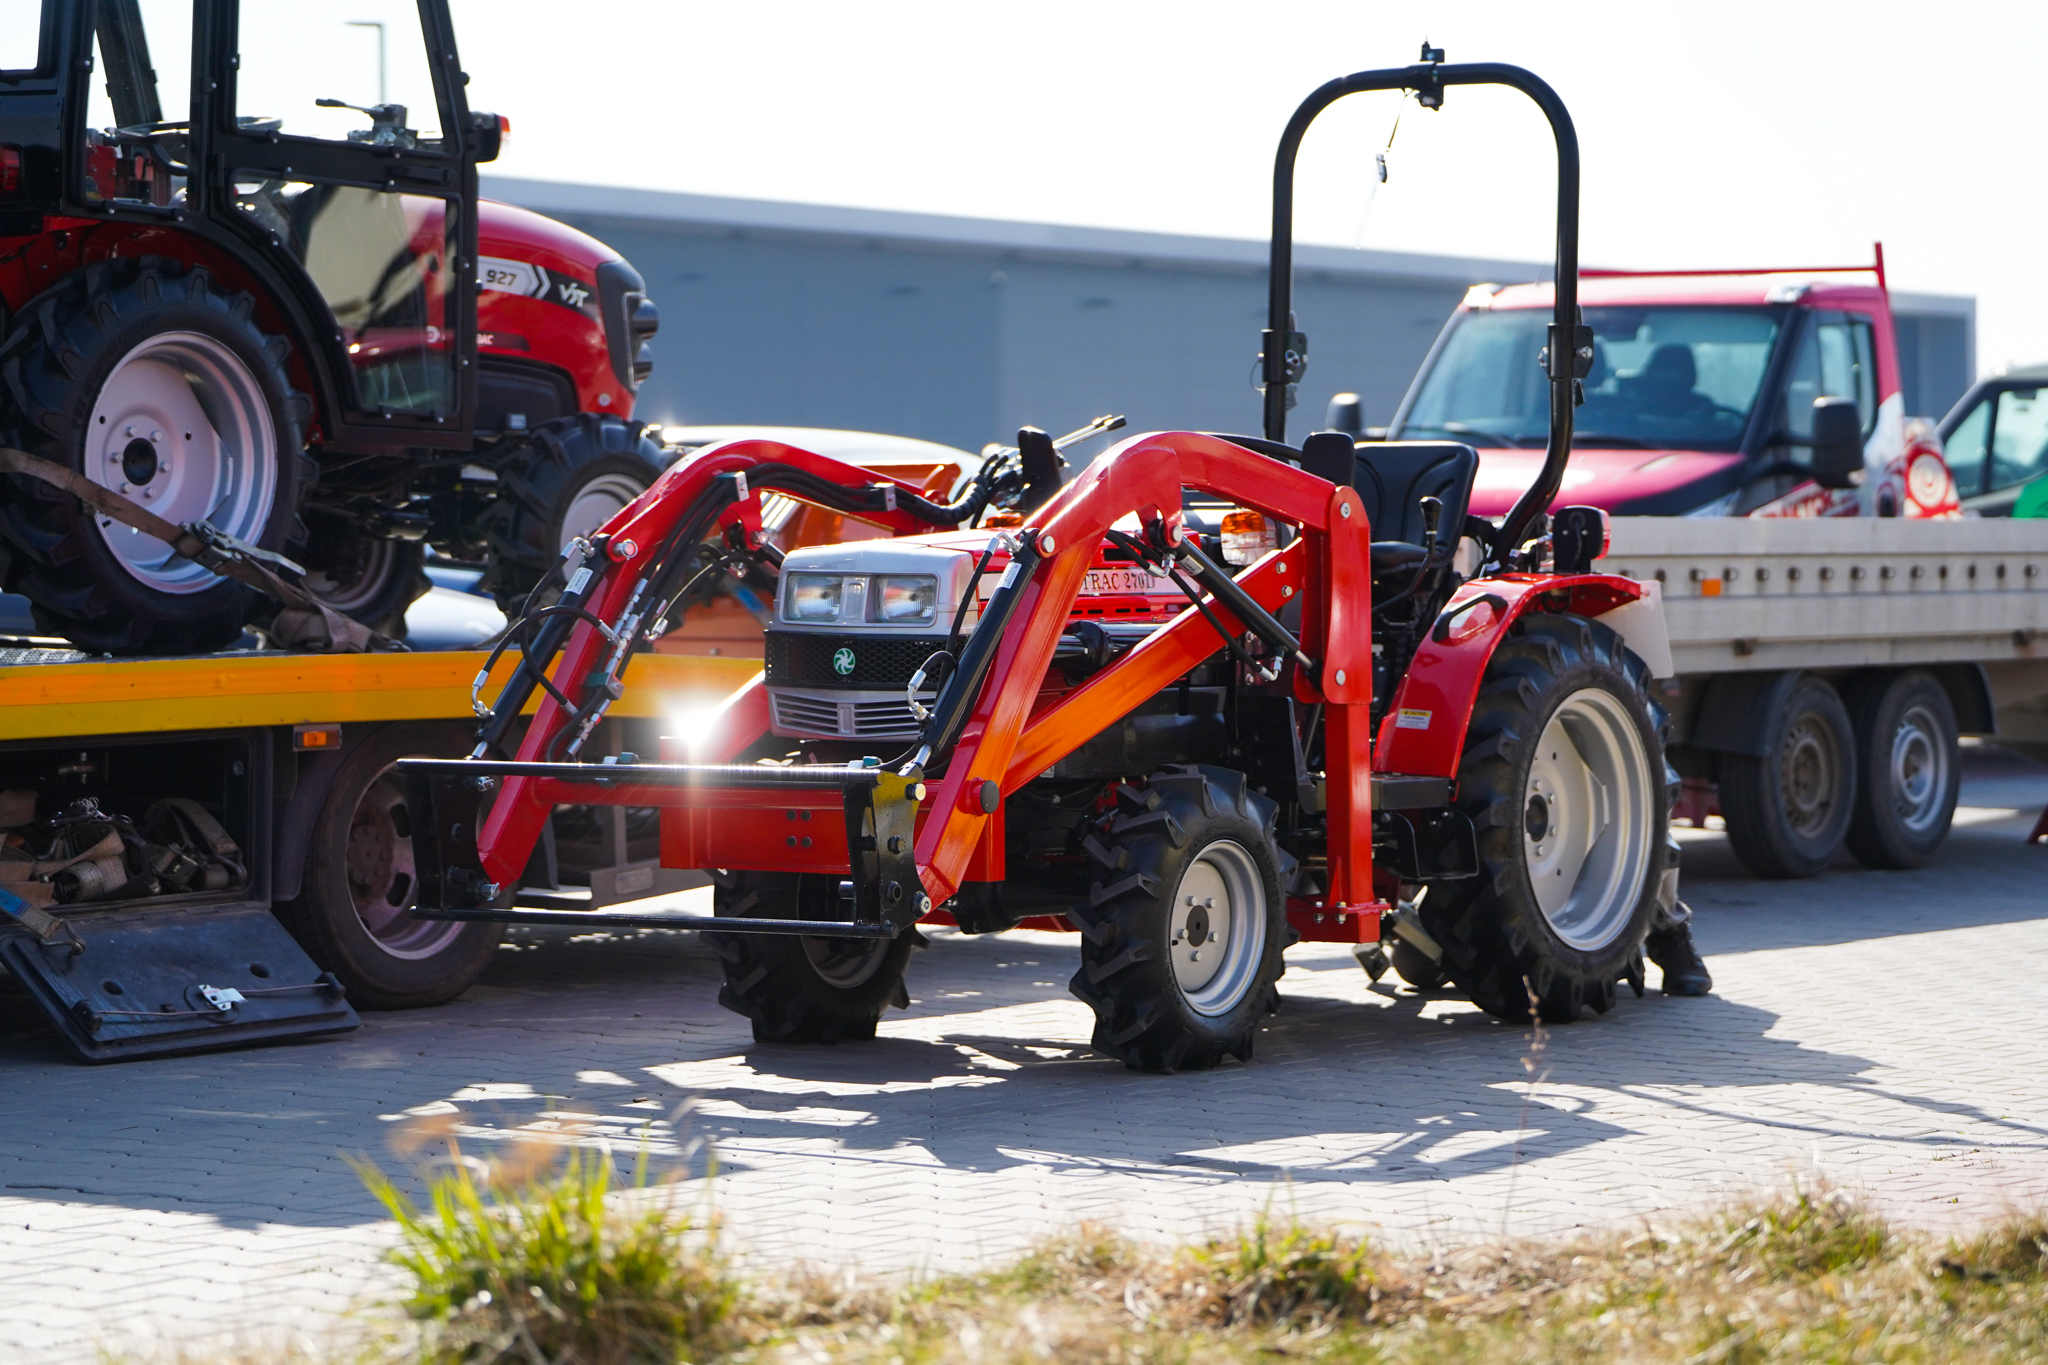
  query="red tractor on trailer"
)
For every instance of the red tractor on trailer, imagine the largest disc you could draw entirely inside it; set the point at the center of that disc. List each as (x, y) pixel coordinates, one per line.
(223, 296)
(1347, 733)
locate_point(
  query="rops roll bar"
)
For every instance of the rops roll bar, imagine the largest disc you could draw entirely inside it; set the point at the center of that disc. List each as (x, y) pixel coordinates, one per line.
(1285, 349)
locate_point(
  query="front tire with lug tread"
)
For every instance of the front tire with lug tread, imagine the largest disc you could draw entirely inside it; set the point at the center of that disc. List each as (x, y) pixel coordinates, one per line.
(800, 989)
(1564, 779)
(564, 479)
(350, 914)
(1185, 865)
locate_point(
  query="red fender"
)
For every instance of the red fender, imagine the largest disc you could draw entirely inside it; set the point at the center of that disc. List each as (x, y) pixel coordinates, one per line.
(1423, 732)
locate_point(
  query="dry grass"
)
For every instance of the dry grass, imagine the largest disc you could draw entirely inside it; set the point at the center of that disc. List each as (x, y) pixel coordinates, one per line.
(540, 1270)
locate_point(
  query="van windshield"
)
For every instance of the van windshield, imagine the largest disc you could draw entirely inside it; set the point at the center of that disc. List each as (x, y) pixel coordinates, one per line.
(1664, 377)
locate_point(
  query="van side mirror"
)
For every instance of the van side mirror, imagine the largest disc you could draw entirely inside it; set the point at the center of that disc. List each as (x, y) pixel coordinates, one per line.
(1346, 414)
(1837, 443)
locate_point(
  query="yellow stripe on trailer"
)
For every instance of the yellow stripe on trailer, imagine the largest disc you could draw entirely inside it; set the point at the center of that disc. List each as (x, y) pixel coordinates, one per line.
(224, 691)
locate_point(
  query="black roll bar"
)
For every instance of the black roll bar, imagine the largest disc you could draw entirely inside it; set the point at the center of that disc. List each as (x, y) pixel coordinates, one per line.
(1284, 349)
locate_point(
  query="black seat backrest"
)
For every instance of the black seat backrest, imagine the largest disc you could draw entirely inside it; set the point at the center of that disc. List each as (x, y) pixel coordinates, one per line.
(1395, 476)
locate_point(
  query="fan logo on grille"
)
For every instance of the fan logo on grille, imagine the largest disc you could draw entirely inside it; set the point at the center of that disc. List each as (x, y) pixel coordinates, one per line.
(842, 662)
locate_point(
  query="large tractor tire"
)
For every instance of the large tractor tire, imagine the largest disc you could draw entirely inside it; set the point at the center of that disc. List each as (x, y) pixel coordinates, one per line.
(151, 380)
(359, 881)
(804, 990)
(1184, 924)
(371, 578)
(562, 480)
(1905, 728)
(1563, 776)
(1788, 808)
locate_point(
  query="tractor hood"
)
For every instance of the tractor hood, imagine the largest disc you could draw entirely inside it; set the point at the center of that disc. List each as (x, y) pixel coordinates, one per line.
(1623, 482)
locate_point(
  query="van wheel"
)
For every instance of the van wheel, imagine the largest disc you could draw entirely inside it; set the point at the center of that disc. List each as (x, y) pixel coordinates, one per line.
(1184, 924)
(152, 381)
(1905, 728)
(1564, 780)
(359, 882)
(804, 990)
(1789, 807)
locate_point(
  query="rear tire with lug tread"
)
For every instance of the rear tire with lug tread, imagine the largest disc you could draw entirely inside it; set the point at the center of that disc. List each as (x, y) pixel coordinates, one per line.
(1788, 809)
(359, 882)
(563, 479)
(804, 990)
(1185, 866)
(1564, 779)
(150, 380)
(1905, 728)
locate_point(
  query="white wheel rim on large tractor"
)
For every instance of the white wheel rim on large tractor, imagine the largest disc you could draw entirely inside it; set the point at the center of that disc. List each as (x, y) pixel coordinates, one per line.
(181, 426)
(1919, 769)
(1586, 819)
(596, 503)
(382, 877)
(1217, 928)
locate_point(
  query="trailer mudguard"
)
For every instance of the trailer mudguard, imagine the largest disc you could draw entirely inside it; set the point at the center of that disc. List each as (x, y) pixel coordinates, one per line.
(1423, 731)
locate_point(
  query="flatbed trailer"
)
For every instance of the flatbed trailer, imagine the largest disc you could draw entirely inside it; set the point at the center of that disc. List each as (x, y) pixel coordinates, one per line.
(1822, 670)
(290, 755)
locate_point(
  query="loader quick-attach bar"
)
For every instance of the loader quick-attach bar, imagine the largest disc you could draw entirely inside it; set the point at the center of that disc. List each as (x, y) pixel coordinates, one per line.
(699, 497)
(879, 807)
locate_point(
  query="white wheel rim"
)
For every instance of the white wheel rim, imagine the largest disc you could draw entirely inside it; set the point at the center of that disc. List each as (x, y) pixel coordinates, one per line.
(1586, 819)
(1217, 928)
(182, 427)
(1919, 769)
(1809, 775)
(596, 503)
(382, 878)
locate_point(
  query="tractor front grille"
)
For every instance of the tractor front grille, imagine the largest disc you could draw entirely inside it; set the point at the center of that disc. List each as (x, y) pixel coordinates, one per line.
(844, 716)
(870, 662)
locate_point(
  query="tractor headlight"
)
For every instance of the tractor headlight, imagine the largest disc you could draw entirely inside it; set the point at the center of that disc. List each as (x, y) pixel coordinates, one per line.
(813, 597)
(906, 599)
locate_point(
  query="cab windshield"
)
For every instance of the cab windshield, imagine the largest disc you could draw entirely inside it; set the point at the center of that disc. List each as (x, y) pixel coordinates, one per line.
(1662, 378)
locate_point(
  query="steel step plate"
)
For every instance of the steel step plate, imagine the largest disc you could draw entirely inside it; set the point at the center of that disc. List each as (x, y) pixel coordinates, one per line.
(146, 982)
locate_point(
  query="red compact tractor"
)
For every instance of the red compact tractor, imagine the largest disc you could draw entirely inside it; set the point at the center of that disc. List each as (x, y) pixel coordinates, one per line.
(1214, 695)
(246, 280)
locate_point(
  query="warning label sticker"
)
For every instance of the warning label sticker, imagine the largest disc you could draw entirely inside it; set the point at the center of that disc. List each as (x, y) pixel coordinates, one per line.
(1412, 720)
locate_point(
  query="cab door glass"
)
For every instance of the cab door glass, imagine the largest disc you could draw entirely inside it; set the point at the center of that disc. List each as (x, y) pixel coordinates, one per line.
(1966, 448)
(21, 35)
(2019, 438)
(381, 262)
(138, 110)
(1837, 358)
(354, 73)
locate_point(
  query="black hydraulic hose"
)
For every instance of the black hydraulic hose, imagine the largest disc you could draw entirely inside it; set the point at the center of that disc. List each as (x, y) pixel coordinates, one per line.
(957, 698)
(1428, 80)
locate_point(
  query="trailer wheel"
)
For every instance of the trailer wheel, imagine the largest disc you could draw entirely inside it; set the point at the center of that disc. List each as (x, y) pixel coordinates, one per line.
(1563, 777)
(564, 479)
(1905, 728)
(1184, 924)
(359, 882)
(804, 990)
(150, 380)
(1788, 808)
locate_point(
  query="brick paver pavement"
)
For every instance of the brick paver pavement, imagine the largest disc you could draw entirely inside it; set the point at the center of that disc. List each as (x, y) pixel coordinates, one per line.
(1883, 1030)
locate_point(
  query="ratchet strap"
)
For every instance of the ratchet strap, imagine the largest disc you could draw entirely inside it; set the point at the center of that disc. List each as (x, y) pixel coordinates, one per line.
(302, 620)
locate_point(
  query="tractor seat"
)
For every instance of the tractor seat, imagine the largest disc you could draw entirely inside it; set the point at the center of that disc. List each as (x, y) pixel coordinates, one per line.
(1394, 556)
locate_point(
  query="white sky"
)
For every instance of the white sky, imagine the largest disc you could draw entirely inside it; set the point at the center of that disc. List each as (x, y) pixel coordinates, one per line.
(1738, 133)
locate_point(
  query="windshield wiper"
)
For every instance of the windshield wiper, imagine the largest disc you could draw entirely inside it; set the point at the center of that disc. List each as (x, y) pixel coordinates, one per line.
(1608, 438)
(1464, 431)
